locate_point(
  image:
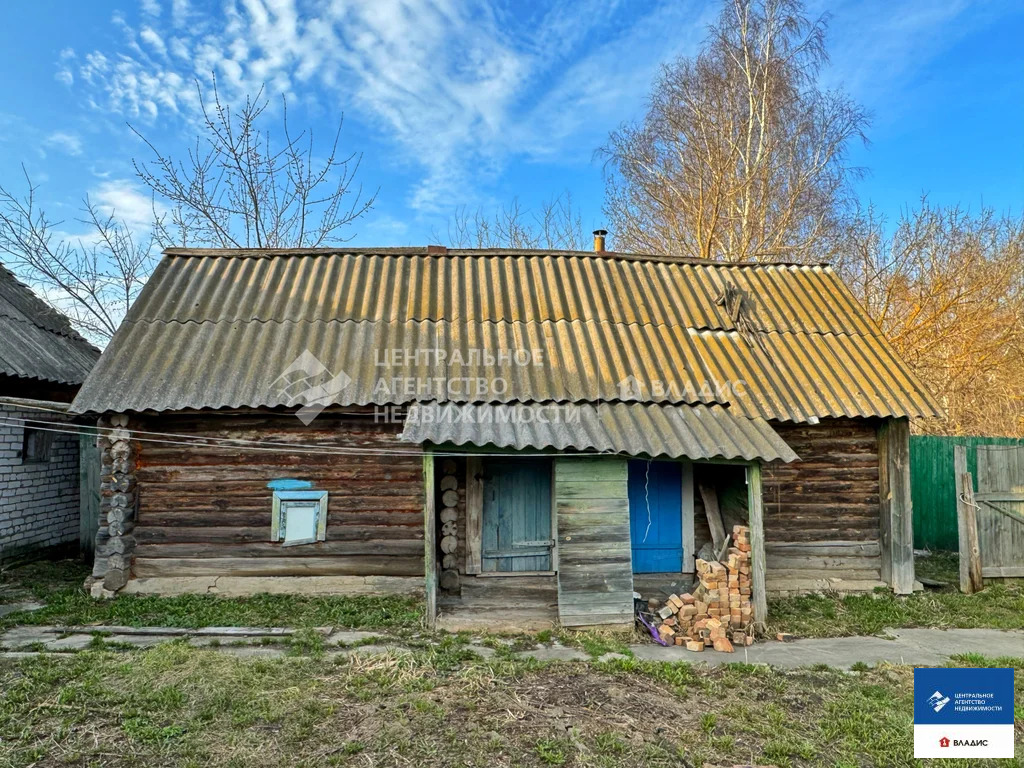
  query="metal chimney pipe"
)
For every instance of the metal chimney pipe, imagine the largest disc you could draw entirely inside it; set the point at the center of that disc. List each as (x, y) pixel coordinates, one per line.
(599, 236)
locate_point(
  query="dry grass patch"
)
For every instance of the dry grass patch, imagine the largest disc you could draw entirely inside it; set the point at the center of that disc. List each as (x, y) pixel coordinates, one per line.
(181, 706)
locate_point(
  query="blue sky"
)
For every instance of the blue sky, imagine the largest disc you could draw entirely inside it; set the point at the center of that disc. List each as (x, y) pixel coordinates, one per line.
(462, 103)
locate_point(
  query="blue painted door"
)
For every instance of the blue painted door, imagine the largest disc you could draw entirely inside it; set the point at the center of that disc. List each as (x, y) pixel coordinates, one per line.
(656, 516)
(517, 515)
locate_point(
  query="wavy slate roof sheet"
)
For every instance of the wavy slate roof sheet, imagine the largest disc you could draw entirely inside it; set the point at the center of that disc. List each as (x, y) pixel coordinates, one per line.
(636, 429)
(218, 329)
(36, 342)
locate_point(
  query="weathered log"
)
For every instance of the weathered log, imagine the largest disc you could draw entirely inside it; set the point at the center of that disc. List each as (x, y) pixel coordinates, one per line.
(449, 483)
(146, 567)
(449, 580)
(449, 544)
(450, 498)
(115, 578)
(449, 515)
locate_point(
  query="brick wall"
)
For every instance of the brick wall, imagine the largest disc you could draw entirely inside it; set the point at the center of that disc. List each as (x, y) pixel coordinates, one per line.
(38, 501)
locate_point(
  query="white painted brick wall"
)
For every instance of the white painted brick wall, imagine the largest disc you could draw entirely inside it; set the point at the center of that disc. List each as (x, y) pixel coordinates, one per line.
(38, 502)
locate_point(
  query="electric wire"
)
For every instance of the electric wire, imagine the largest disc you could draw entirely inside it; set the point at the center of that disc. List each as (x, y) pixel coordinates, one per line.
(265, 446)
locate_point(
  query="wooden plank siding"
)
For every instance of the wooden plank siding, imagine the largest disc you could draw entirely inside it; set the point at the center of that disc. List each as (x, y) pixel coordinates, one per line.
(207, 510)
(595, 574)
(821, 513)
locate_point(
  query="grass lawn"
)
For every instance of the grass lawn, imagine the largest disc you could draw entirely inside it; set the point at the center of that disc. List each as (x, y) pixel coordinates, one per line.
(177, 705)
(439, 704)
(999, 606)
(59, 586)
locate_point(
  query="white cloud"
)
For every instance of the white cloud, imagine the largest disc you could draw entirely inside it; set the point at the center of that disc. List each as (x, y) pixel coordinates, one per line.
(150, 7)
(180, 12)
(149, 36)
(66, 142)
(64, 72)
(126, 201)
(458, 86)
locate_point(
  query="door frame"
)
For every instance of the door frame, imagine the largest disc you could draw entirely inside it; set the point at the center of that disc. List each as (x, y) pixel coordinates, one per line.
(689, 537)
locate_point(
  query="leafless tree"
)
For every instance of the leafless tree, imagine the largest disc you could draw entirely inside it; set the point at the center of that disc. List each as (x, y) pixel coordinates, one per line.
(92, 278)
(555, 224)
(235, 188)
(947, 288)
(741, 155)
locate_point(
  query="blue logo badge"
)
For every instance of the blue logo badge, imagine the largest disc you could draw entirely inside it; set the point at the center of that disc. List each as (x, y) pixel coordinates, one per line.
(963, 696)
(963, 713)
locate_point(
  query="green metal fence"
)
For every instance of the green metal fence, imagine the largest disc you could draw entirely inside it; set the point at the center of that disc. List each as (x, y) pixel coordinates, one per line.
(932, 485)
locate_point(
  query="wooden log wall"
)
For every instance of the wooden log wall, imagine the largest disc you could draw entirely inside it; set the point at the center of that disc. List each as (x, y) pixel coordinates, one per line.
(205, 510)
(115, 537)
(452, 539)
(821, 513)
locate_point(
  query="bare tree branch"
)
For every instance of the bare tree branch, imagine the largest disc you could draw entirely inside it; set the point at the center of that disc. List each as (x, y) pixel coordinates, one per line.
(235, 189)
(555, 225)
(92, 278)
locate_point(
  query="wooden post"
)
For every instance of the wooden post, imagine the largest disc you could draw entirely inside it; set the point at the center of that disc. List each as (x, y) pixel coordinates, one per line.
(689, 538)
(474, 514)
(429, 540)
(896, 529)
(755, 517)
(967, 524)
(959, 470)
(88, 492)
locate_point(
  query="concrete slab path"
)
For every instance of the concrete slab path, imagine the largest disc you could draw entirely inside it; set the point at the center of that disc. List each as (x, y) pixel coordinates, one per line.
(916, 647)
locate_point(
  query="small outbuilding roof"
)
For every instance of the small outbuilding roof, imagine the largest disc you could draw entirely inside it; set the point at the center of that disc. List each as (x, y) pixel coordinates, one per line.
(36, 341)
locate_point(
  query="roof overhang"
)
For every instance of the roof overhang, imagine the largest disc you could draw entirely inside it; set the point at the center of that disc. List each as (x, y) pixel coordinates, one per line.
(634, 429)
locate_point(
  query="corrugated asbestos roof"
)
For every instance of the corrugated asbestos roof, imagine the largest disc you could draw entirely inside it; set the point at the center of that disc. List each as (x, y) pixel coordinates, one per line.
(635, 429)
(218, 329)
(36, 342)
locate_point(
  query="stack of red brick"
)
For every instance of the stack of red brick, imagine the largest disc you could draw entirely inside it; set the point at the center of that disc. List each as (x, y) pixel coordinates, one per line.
(718, 613)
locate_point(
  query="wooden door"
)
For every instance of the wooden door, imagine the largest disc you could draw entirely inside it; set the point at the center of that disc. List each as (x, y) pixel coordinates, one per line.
(595, 582)
(656, 516)
(516, 515)
(1000, 513)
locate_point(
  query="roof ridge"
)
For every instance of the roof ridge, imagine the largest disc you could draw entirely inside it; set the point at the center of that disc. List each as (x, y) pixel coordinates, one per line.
(594, 320)
(422, 251)
(61, 323)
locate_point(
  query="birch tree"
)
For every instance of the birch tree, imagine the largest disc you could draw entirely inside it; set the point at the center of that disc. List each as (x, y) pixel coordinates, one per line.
(741, 154)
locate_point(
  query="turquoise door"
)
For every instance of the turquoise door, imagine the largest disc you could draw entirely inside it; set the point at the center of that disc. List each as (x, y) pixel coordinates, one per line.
(656, 516)
(517, 515)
